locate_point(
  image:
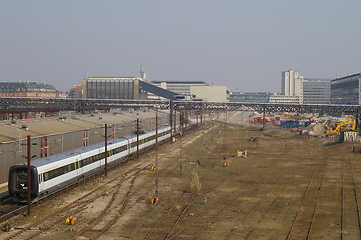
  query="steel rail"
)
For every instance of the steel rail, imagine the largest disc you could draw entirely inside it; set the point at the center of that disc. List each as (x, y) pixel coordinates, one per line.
(289, 234)
(316, 203)
(356, 197)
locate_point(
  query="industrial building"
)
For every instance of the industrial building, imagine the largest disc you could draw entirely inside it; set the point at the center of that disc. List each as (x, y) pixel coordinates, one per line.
(27, 89)
(111, 88)
(346, 90)
(137, 88)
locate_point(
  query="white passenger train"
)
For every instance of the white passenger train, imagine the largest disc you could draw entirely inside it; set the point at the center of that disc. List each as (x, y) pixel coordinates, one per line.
(55, 172)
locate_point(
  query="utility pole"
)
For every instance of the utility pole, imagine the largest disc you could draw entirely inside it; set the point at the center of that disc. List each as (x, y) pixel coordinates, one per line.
(171, 118)
(137, 138)
(156, 129)
(264, 118)
(106, 150)
(175, 120)
(28, 175)
(156, 154)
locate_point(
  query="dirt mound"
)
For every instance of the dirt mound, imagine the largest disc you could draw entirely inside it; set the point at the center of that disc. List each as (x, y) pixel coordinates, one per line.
(316, 129)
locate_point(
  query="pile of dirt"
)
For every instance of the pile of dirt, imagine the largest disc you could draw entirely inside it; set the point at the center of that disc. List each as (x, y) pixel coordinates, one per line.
(316, 129)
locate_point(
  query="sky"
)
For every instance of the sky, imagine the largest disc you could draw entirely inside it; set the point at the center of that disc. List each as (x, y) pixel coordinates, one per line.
(244, 45)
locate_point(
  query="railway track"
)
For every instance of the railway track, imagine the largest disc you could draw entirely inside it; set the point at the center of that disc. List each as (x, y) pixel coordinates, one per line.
(304, 195)
(75, 207)
(282, 197)
(81, 204)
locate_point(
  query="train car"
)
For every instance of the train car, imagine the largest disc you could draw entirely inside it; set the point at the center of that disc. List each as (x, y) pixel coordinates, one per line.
(55, 172)
(148, 139)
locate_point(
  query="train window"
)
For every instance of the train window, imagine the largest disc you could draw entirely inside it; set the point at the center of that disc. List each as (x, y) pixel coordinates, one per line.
(21, 175)
(46, 176)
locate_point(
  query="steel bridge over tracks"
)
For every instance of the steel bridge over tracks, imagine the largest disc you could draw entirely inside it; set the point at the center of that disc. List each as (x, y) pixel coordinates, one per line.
(24, 106)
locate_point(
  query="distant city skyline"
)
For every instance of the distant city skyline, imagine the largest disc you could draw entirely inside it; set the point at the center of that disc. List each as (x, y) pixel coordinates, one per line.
(240, 44)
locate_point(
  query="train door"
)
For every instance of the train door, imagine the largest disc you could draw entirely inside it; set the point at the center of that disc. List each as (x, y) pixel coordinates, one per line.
(41, 182)
(79, 167)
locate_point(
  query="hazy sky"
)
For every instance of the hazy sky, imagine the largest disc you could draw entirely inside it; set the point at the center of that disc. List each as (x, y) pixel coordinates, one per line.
(244, 45)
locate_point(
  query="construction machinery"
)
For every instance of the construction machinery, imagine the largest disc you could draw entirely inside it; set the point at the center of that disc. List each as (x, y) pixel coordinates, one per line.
(348, 126)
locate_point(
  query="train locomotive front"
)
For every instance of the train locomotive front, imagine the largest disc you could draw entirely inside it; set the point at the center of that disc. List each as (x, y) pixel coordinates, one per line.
(18, 183)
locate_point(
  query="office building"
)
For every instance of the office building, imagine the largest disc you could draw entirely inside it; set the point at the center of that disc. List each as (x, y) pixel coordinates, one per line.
(291, 83)
(315, 91)
(250, 97)
(346, 90)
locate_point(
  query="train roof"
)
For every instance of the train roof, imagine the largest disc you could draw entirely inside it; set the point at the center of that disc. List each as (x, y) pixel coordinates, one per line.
(75, 152)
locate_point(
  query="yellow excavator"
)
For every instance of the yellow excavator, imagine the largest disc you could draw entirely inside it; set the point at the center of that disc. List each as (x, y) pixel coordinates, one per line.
(351, 126)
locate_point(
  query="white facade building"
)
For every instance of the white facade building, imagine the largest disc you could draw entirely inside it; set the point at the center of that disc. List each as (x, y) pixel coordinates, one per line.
(210, 93)
(283, 99)
(291, 83)
(181, 87)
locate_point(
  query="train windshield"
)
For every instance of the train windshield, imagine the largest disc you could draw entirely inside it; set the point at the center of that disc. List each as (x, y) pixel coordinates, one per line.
(21, 179)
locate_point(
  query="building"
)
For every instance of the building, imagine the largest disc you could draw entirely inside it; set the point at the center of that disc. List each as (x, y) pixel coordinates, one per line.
(210, 93)
(28, 89)
(315, 91)
(76, 92)
(346, 90)
(180, 87)
(308, 91)
(250, 97)
(136, 88)
(291, 83)
(283, 99)
(111, 87)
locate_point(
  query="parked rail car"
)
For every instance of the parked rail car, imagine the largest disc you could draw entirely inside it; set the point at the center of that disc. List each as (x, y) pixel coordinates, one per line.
(55, 172)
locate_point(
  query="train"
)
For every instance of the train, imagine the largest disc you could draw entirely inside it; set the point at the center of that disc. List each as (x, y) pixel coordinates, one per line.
(53, 173)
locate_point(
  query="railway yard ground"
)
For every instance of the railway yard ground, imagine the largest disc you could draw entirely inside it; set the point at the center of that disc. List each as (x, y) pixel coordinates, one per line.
(283, 186)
